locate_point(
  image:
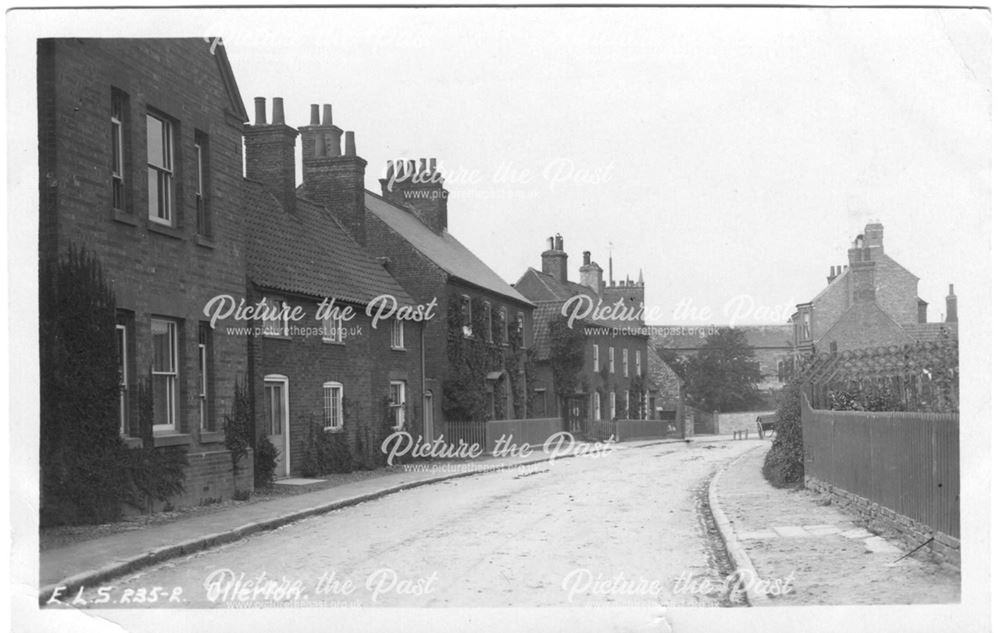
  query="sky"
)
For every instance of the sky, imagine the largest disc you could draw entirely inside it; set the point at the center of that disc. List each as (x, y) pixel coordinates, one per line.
(731, 154)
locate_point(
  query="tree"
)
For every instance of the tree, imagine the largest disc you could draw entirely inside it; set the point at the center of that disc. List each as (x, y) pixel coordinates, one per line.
(722, 375)
(566, 357)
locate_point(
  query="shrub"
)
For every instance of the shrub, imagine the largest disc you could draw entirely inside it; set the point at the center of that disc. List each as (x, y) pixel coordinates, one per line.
(325, 452)
(783, 465)
(265, 462)
(238, 425)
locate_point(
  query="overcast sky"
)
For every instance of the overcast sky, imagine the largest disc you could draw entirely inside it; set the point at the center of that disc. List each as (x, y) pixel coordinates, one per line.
(727, 152)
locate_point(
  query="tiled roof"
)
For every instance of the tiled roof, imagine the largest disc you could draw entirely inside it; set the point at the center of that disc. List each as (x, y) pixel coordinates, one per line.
(445, 251)
(929, 332)
(545, 287)
(310, 252)
(691, 337)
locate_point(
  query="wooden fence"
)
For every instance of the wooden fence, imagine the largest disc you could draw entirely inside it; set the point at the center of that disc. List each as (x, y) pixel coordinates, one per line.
(533, 431)
(905, 461)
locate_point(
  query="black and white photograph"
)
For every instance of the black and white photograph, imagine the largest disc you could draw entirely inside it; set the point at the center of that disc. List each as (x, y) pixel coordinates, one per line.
(500, 317)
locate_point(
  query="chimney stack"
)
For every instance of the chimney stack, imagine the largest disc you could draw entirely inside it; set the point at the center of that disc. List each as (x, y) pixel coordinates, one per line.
(419, 188)
(832, 275)
(554, 260)
(330, 177)
(591, 274)
(951, 305)
(270, 151)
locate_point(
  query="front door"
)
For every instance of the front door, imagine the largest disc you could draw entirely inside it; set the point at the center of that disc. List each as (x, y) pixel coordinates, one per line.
(276, 420)
(575, 414)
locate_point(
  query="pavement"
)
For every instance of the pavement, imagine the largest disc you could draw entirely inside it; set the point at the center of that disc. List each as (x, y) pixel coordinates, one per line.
(87, 563)
(793, 547)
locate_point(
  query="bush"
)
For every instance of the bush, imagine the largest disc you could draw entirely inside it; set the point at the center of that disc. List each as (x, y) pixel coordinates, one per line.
(325, 452)
(239, 424)
(784, 464)
(265, 462)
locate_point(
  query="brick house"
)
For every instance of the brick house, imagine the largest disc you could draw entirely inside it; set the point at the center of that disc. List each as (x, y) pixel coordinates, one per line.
(140, 161)
(612, 383)
(336, 369)
(870, 302)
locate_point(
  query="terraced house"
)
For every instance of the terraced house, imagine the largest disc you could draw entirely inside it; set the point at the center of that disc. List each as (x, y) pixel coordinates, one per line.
(337, 369)
(613, 381)
(140, 162)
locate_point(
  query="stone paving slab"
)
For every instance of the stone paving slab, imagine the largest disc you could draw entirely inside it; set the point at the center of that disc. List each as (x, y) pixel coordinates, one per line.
(818, 554)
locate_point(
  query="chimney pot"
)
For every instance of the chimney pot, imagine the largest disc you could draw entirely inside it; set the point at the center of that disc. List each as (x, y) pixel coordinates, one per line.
(314, 114)
(586, 257)
(951, 289)
(433, 164)
(559, 242)
(349, 148)
(260, 111)
(552, 243)
(327, 114)
(278, 111)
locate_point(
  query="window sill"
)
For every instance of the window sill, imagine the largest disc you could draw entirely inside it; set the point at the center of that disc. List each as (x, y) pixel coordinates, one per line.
(205, 241)
(132, 442)
(171, 439)
(398, 349)
(163, 229)
(330, 341)
(212, 437)
(124, 217)
(276, 337)
(333, 429)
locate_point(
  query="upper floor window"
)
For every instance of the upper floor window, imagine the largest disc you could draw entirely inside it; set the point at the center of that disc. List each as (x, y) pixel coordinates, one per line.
(504, 335)
(333, 406)
(165, 379)
(611, 360)
(489, 321)
(520, 329)
(396, 334)
(275, 322)
(466, 316)
(201, 202)
(806, 326)
(333, 329)
(638, 363)
(625, 362)
(597, 358)
(160, 161)
(119, 112)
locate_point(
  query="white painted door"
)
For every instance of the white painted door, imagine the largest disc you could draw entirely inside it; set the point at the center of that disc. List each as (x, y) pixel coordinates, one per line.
(276, 420)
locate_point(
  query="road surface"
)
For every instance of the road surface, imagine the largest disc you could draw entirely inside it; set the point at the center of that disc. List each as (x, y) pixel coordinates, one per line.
(624, 529)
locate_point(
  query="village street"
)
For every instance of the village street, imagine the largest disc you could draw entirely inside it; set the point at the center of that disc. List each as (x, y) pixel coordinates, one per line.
(626, 528)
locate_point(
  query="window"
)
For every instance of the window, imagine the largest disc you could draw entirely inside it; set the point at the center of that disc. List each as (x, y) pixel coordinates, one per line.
(204, 377)
(806, 326)
(397, 402)
(201, 184)
(611, 362)
(520, 330)
(613, 400)
(466, 316)
(160, 162)
(597, 405)
(275, 321)
(119, 110)
(597, 358)
(503, 326)
(121, 333)
(333, 329)
(638, 363)
(625, 362)
(333, 406)
(164, 375)
(396, 334)
(489, 321)
(628, 403)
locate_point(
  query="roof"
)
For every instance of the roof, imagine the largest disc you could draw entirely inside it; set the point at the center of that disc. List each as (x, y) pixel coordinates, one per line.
(310, 252)
(541, 287)
(446, 252)
(692, 337)
(929, 332)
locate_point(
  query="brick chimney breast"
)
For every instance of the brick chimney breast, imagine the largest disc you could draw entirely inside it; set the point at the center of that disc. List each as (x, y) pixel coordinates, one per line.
(554, 260)
(270, 152)
(418, 187)
(331, 177)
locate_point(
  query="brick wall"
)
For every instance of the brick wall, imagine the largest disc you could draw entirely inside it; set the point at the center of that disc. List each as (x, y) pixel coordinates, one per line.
(863, 325)
(364, 364)
(169, 272)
